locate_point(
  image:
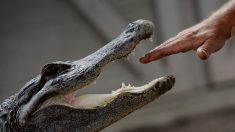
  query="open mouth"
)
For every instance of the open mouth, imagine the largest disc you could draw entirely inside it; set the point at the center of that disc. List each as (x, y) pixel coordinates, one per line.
(93, 101)
(121, 47)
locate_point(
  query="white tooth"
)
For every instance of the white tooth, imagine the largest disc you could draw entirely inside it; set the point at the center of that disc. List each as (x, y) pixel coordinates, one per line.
(129, 85)
(133, 52)
(151, 38)
(94, 82)
(123, 85)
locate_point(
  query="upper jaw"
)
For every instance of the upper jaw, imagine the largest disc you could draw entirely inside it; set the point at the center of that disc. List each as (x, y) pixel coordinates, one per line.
(91, 66)
(121, 46)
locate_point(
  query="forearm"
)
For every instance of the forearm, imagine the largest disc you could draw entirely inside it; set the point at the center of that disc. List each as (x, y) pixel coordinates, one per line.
(224, 18)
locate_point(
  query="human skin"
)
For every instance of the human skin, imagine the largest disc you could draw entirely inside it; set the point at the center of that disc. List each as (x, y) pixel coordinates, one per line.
(205, 38)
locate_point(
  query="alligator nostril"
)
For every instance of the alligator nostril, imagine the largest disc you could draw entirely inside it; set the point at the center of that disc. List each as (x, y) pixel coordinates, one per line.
(132, 39)
(132, 29)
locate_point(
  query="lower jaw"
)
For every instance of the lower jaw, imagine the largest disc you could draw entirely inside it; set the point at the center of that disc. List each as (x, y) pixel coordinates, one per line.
(93, 101)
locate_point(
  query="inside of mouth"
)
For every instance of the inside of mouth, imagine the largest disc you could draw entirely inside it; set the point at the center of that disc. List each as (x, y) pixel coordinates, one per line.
(92, 101)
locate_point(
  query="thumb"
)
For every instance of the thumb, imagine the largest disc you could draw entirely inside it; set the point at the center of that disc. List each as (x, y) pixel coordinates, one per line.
(209, 47)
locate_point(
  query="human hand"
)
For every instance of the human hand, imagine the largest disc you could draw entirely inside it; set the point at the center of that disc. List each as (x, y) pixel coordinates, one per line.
(206, 38)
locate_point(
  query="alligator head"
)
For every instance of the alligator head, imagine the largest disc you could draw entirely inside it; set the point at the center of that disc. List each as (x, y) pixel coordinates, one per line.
(47, 102)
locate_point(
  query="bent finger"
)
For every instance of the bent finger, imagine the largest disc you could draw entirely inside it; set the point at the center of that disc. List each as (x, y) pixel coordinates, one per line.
(210, 46)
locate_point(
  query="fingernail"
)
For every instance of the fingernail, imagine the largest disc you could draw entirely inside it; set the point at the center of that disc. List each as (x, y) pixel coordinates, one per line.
(143, 60)
(203, 54)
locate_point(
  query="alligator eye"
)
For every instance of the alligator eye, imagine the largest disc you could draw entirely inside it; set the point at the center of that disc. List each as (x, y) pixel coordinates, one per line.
(50, 70)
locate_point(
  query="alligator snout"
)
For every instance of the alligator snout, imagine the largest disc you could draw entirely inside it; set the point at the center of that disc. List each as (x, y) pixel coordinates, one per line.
(143, 28)
(124, 43)
(118, 48)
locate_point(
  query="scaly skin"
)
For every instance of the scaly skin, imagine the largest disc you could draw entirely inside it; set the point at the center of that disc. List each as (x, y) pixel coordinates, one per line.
(45, 104)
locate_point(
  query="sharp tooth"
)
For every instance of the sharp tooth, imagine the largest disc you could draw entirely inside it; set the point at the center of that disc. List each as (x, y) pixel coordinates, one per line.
(133, 52)
(94, 82)
(129, 85)
(123, 85)
(151, 38)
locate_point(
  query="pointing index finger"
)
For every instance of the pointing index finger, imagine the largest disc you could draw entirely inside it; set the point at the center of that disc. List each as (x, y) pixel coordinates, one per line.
(177, 44)
(160, 51)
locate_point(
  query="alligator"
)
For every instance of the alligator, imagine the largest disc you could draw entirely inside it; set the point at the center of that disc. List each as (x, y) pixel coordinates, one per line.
(48, 102)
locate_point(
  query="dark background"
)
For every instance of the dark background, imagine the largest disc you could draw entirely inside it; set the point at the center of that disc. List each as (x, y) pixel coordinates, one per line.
(35, 32)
